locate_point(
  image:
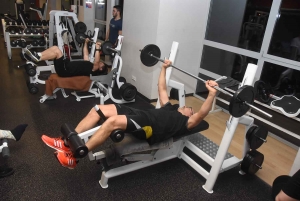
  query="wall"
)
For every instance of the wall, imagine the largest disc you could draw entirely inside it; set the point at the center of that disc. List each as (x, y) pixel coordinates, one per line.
(162, 22)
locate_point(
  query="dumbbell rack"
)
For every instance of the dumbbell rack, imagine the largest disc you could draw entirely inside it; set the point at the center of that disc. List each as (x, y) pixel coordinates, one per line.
(8, 36)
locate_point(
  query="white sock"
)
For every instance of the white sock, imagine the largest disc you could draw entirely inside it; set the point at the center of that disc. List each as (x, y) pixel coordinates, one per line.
(5, 134)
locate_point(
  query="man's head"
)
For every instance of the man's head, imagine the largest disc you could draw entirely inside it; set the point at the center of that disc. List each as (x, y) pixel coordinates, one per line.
(186, 111)
(117, 11)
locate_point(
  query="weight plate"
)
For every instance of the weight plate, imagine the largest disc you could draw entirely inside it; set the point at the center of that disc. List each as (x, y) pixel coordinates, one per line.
(262, 91)
(256, 137)
(80, 27)
(105, 46)
(237, 106)
(32, 88)
(146, 59)
(80, 37)
(252, 162)
(128, 91)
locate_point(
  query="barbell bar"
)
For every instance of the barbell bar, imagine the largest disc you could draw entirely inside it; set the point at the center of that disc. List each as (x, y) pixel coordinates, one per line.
(150, 55)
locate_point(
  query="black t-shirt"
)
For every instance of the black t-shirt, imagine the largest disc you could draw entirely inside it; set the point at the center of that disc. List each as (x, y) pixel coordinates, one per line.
(166, 122)
(79, 68)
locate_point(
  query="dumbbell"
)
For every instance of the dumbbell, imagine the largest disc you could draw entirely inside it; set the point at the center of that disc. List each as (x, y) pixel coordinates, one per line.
(35, 42)
(22, 42)
(19, 22)
(30, 70)
(14, 43)
(11, 30)
(27, 31)
(34, 22)
(34, 31)
(29, 22)
(42, 42)
(44, 23)
(39, 23)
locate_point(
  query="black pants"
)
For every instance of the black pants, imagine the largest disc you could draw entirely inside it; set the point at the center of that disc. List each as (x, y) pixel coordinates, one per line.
(292, 187)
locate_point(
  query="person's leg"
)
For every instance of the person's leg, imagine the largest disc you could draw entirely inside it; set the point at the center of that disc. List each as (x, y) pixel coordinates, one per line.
(14, 134)
(111, 124)
(291, 190)
(93, 117)
(66, 159)
(51, 53)
(85, 124)
(284, 197)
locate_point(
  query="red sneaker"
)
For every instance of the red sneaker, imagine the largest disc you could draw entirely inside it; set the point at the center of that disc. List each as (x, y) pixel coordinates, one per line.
(55, 143)
(66, 159)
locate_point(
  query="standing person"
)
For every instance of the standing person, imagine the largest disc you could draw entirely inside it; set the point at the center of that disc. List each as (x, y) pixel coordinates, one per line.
(115, 26)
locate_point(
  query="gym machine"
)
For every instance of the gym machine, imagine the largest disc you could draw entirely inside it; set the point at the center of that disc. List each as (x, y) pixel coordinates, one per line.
(217, 157)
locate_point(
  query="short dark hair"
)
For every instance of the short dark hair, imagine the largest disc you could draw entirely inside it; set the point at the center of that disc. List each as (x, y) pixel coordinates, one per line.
(119, 8)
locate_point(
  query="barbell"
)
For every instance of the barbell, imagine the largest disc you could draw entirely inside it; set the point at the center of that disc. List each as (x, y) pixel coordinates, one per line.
(241, 101)
(106, 47)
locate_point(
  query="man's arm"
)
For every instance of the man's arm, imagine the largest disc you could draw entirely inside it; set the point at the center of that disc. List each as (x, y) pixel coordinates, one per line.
(162, 85)
(97, 53)
(107, 35)
(85, 50)
(196, 118)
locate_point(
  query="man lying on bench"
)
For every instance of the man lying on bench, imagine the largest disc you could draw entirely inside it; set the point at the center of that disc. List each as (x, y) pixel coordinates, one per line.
(157, 124)
(65, 67)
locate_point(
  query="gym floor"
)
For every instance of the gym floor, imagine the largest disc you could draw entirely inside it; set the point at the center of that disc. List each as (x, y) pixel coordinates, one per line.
(38, 175)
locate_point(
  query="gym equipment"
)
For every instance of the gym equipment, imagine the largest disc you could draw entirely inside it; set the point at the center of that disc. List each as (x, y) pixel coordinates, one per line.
(34, 31)
(32, 88)
(35, 42)
(256, 136)
(116, 135)
(27, 31)
(107, 48)
(42, 42)
(240, 102)
(44, 23)
(128, 91)
(30, 70)
(22, 42)
(252, 162)
(287, 104)
(80, 27)
(14, 43)
(80, 37)
(11, 30)
(76, 144)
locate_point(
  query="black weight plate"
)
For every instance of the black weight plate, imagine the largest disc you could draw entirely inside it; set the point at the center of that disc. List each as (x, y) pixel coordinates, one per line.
(32, 88)
(255, 140)
(42, 42)
(105, 46)
(80, 27)
(128, 91)
(252, 161)
(34, 31)
(14, 43)
(262, 91)
(146, 59)
(237, 107)
(27, 31)
(44, 23)
(80, 37)
(250, 133)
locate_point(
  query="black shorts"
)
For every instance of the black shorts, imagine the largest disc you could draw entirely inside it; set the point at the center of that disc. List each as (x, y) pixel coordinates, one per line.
(292, 187)
(134, 116)
(60, 66)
